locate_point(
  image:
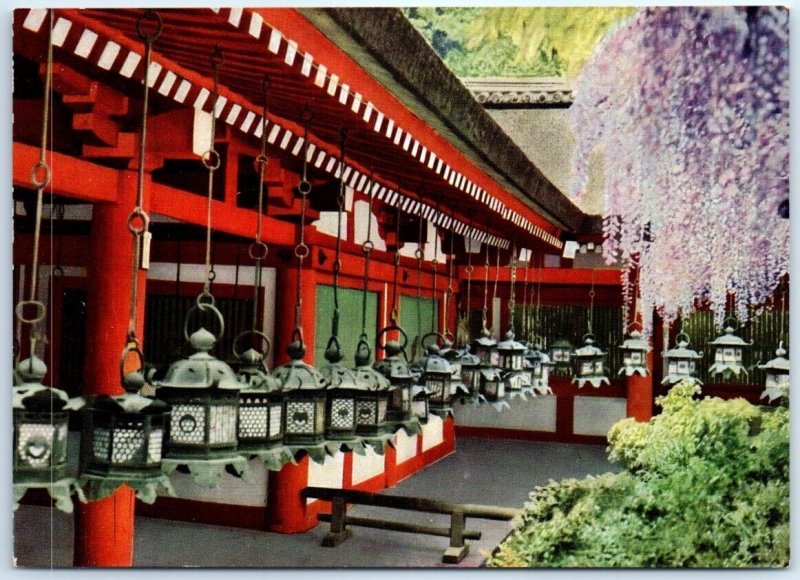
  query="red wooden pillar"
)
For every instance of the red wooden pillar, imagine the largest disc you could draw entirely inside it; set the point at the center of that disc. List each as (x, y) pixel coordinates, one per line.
(286, 509)
(640, 394)
(104, 529)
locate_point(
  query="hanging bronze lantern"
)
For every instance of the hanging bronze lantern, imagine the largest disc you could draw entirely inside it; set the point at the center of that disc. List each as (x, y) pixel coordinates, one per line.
(589, 364)
(511, 361)
(40, 435)
(260, 423)
(728, 353)
(304, 388)
(372, 400)
(470, 371)
(634, 355)
(776, 384)
(203, 393)
(437, 375)
(420, 403)
(343, 392)
(396, 368)
(681, 362)
(561, 354)
(454, 357)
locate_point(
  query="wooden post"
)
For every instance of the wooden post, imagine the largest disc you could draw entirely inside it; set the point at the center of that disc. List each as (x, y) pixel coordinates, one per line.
(104, 529)
(458, 549)
(339, 531)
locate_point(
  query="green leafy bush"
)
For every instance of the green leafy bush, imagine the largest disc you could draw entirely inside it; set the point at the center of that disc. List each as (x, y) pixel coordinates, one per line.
(706, 486)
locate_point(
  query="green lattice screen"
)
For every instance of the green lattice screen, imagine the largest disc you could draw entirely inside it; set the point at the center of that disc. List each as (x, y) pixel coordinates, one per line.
(349, 322)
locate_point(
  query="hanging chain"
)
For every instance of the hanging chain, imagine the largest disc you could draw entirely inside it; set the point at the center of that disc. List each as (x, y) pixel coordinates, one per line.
(513, 280)
(526, 328)
(538, 317)
(337, 262)
(211, 161)
(258, 250)
(301, 250)
(394, 313)
(40, 178)
(420, 255)
(485, 286)
(496, 278)
(448, 293)
(591, 304)
(469, 277)
(435, 264)
(366, 249)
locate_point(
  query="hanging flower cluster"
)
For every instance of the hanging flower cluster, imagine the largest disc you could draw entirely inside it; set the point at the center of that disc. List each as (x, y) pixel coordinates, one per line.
(690, 107)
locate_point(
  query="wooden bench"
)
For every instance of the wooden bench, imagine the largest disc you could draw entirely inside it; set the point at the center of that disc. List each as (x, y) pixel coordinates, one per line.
(457, 532)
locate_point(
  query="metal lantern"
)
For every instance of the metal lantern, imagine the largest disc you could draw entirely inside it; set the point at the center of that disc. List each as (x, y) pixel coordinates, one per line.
(681, 363)
(512, 362)
(454, 357)
(728, 353)
(561, 355)
(343, 390)
(437, 375)
(589, 364)
(485, 348)
(304, 388)
(470, 371)
(260, 425)
(777, 376)
(539, 365)
(634, 355)
(421, 402)
(203, 394)
(40, 428)
(373, 399)
(396, 368)
(492, 386)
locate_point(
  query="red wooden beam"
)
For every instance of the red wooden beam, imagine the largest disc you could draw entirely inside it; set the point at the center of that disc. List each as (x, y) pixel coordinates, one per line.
(561, 276)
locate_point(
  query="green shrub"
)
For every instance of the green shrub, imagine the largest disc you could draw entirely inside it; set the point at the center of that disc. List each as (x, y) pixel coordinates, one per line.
(706, 485)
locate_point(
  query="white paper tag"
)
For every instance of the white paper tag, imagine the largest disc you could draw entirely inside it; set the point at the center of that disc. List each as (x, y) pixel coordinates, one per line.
(144, 263)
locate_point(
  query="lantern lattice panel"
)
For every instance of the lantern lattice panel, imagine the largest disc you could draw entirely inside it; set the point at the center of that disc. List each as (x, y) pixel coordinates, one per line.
(252, 422)
(187, 424)
(342, 413)
(300, 417)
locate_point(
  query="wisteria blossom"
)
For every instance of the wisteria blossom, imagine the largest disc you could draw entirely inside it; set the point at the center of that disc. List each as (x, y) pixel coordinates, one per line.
(690, 107)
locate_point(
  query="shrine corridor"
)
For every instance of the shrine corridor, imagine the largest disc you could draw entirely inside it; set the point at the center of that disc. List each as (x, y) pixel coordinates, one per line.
(487, 471)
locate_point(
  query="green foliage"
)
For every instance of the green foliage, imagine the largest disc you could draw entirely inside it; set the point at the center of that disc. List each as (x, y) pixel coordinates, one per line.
(707, 486)
(515, 41)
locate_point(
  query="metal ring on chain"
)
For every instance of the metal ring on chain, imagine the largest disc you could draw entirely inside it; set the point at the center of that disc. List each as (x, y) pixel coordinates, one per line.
(304, 187)
(212, 275)
(45, 179)
(257, 333)
(301, 250)
(337, 266)
(258, 250)
(367, 247)
(152, 16)
(419, 254)
(131, 348)
(138, 214)
(204, 299)
(438, 335)
(204, 307)
(260, 160)
(211, 159)
(389, 329)
(57, 272)
(19, 311)
(469, 269)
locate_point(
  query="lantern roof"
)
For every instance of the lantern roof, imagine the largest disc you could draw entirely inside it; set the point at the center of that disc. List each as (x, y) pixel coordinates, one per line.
(511, 346)
(681, 351)
(491, 374)
(780, 363)
(371, 379)
(484, 340)
(561, 343)
(200, 369)
(253, 375)
(588, 349)
(30, 393)
(729, 339)
(468, 359)
(635, 342)
(339, 376)
(297, 375)
(433, 363)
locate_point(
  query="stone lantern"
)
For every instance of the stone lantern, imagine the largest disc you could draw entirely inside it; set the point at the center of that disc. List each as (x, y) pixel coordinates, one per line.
(589, 364)
(728, 354)
(634, 355)
(777, 376)
(681, 363)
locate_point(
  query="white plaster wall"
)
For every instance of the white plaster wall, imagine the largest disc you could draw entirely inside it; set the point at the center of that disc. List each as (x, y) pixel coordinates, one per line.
(432, 432)
(538, 414)
(596, 415)
(367, 466)
(405, 445)
(232, 490)
(329, 474)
